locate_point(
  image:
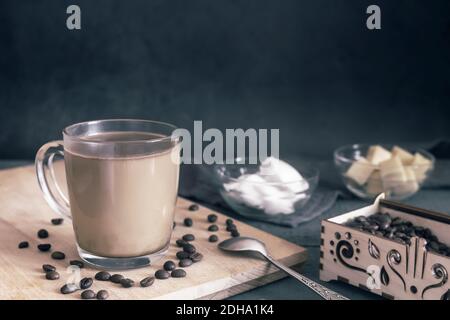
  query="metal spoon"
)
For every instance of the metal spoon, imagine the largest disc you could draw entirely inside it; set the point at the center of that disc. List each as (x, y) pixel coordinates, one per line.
(245, 244)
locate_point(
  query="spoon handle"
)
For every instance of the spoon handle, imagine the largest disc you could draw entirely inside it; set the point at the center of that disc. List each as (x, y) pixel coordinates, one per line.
(324, 292)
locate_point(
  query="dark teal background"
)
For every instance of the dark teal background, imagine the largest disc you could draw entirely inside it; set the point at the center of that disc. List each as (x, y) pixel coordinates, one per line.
(308, 67)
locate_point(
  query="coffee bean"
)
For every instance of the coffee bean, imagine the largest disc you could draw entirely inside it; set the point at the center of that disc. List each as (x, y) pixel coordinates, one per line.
(162, 274)
(400, 234)
(102, 295)
(23, 245)
(127, 283)
(188, 222)
(52, 275)
(360, 219)
(58, 255)
(57, 221)
(228, 222)
(77, 263)
(189, 248)
(44, 247)
(182, 255)
(213, 228)
(69, 288)
(213, 238)
(196, 257)
(212, 218)
(86, 283)
(180, 242)
(102, 276)
(116, 278)
(169, 265)
(42, 234)
(48, 268)
(231, 227)
(193, 207)
(185, 263)
(188, 237)
(434, 245)
(88, 294)
(235, 233)
(147, 282)
(178, 273)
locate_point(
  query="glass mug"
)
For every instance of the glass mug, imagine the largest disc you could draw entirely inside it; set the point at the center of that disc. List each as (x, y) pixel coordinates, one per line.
(122, 180)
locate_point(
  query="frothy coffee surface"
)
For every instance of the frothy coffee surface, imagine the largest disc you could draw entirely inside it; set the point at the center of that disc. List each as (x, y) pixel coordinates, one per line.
(122, 207)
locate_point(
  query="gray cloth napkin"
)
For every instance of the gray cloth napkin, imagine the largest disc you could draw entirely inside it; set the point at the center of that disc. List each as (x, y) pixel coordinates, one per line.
(198, 182)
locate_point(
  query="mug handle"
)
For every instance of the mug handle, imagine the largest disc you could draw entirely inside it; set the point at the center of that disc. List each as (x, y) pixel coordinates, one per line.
(46, 177)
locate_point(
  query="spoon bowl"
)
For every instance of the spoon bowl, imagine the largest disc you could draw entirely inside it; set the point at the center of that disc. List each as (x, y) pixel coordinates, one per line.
(243, 244)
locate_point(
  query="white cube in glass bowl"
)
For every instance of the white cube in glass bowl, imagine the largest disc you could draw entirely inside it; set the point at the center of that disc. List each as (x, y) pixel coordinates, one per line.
(369, 170)
(257, 195)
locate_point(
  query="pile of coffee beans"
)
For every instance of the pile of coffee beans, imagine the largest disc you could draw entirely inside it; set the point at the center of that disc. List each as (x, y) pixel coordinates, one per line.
(232, 228)
(397, 229)
(84, 285)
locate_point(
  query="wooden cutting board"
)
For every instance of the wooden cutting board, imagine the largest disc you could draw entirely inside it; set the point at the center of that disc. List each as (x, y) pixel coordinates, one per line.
(23, 211)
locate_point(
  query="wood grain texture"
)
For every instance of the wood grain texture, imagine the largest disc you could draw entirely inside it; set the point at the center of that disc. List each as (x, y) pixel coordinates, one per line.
(23, 211)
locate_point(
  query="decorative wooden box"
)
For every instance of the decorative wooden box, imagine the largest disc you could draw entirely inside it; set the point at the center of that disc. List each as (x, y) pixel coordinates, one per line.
(383, 266)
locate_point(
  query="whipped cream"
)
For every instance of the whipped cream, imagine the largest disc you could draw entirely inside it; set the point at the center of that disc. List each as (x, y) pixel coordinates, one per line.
(275, 188)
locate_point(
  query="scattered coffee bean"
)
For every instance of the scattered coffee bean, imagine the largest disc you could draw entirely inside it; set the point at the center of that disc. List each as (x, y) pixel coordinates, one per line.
(212, 218)
(88, 294)
(23, 245)
(57, 221)
(196, 257)
(52, 275)
(44, 247)
(185, 263)
(116, 278)
(162, 274)
(178, 273)
(193, 207)
(77, 263)
(147, 282)
(182, 255)
(188, 237)
(102, 276)
(229, 221)
(213, 238)
(69, 288)
(180, 242)
(188, 222)
(213, 228)
(189, 248)
(235, 233)
(231, 227)
(169, 265)
(127, 283)
(48, 268)
(58, 255)
(102, 295)
(42, 234)
(86, 283)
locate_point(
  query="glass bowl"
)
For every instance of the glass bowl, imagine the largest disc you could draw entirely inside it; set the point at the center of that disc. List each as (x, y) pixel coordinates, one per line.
(345, 157)
(255, 197)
